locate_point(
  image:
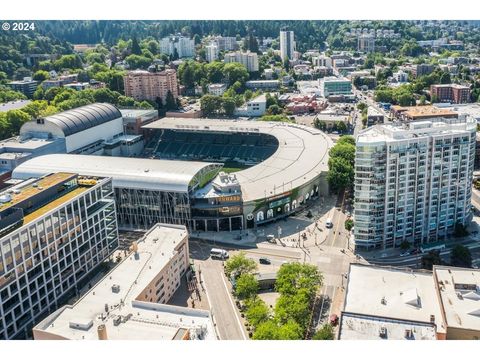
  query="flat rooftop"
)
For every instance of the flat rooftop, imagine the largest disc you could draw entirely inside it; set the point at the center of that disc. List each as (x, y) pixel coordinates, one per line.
(145, 320)
(364, 327)
(34, 188)
(415, 130)
(301, 156)
(394, 293)
(423, 111)
(462, 311)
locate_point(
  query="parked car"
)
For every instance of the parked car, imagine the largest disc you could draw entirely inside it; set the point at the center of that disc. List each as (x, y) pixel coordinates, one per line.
(264, 261)
(406, 253)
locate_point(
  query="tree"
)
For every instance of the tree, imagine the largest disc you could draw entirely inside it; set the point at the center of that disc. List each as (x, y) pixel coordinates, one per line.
(430, 259)
(461, 256)
(290, 331)
(235, 72)
(293, 277)
(257, 311)
(137, 61)
(340, 173)
(136, 47)
(460, 230)
(343, 150)
(229, 106)
(170, 103)
(286, 64)
(246, 286)
(267, 330)
(211, 104)
(324, 333)
(346, 139)
(41, 75)
(295, 307)
(349, 224)
(404, 245)
(239, 264)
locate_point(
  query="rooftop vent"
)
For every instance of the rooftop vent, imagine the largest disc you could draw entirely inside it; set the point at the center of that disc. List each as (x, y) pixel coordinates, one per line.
(115, 288)
(383, 301)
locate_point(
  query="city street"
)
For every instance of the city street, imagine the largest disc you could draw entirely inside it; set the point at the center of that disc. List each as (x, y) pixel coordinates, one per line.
(225, 314)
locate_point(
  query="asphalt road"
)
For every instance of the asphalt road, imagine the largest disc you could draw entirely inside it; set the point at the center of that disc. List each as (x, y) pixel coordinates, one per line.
(218, 289)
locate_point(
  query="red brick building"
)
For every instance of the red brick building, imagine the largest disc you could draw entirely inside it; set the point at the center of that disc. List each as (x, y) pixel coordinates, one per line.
(454, 93)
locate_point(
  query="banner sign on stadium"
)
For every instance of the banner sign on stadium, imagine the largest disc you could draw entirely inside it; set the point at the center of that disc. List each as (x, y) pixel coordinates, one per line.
(279, 203)
(233, 198)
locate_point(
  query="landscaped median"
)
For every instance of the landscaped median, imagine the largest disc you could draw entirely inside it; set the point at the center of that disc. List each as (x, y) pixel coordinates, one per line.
(291, 317)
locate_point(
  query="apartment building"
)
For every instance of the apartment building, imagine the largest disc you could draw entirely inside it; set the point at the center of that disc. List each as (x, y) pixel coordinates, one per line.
(454, 93)
(54, 231)
(130, 302)
(287, 44)
(247, 59)
(225, 43)
(182, 46)
(144, 85)
(322, 60)
(217, 89)
(366, 43)
(412, 182)
(211, 52)
(27, 86)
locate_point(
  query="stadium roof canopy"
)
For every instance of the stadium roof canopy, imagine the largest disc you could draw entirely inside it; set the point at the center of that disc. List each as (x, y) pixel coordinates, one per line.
(84, 117)
(131, 173)
(301, 156)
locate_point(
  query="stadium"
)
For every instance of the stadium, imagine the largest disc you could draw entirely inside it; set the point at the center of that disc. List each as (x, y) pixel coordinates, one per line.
(209, 174)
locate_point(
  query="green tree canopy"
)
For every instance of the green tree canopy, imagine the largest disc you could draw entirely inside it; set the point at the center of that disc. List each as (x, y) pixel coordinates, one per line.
(246, 286)
(239, 264)
(461, 256)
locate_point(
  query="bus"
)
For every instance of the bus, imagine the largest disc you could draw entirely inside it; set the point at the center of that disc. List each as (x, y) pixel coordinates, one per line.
(218, 254)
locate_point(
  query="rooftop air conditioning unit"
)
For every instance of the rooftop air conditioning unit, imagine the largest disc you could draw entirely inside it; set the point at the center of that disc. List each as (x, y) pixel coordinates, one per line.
(383, 332)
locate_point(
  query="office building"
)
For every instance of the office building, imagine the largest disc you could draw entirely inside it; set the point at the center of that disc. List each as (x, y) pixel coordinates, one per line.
(130, 302)
(54, 231)
(413, 182)
(453, 93)
(144, 85)
(335, 86)
(180, 46)
(27, 86)
(253, 108)
(211, 52)
(247, 59)
(287, 45)
(366, 43)
(405, 304)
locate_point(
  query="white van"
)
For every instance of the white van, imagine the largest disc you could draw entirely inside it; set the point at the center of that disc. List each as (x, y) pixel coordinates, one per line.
(329, 223)
(218, 254)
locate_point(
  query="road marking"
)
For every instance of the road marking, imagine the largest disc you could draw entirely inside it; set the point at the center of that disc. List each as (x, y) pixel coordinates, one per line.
(233, 307)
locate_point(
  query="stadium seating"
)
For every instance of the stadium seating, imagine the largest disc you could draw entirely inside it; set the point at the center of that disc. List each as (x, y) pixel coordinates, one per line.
(187, 145)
